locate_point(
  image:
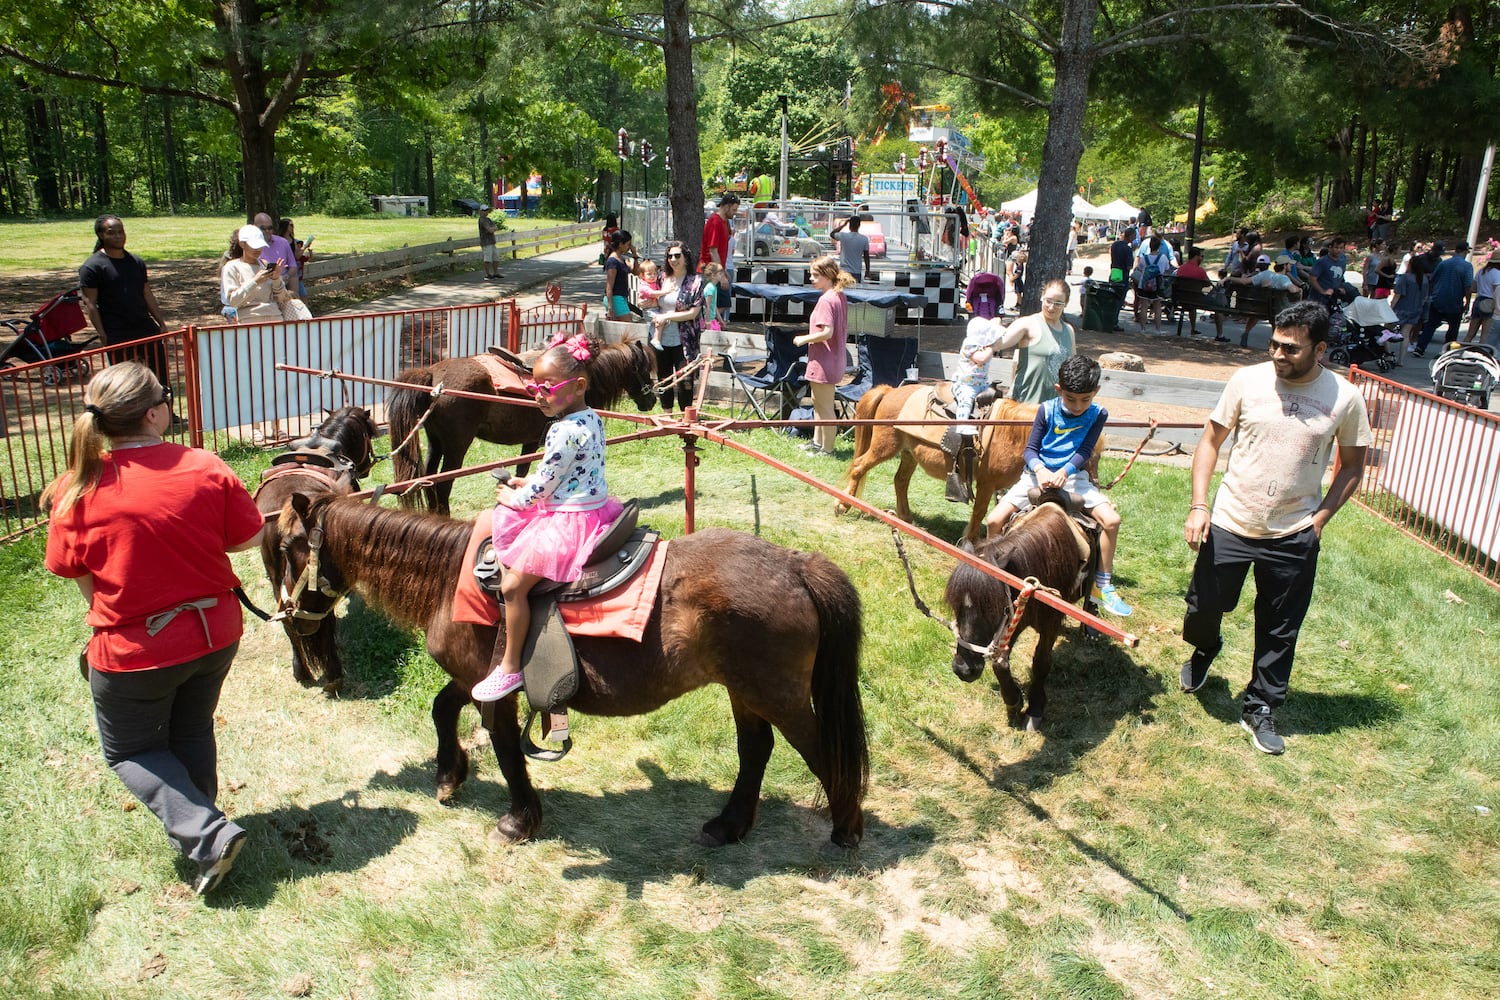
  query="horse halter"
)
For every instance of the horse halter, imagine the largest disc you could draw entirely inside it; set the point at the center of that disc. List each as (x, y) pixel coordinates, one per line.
(1000, 643)
(290, 604)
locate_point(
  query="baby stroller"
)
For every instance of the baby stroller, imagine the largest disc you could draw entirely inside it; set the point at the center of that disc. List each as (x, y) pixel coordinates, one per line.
(1362, 333)
(48, 336)
(1466, 373)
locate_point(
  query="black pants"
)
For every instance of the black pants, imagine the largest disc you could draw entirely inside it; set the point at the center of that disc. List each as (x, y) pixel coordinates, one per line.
(156, 728)
(151, 353)
(668, 361)
(1285, 569)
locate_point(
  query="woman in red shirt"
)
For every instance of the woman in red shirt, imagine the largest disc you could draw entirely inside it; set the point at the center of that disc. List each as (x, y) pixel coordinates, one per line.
(144, 526)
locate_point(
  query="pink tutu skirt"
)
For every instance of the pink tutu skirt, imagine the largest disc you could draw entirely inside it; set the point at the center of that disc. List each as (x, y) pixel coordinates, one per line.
(552, 544)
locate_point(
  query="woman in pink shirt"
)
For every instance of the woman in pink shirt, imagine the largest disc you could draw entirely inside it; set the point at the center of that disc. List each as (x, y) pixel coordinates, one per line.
(826, 339)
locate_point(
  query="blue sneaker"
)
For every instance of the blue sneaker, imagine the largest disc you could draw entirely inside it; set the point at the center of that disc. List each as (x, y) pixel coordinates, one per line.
(1109, 600)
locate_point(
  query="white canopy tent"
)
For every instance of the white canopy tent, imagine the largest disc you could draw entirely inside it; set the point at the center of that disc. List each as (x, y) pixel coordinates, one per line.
(1118, 210)
(1026, 205)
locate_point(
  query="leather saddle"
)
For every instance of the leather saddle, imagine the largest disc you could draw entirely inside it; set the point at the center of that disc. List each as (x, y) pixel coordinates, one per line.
(1086, 529)
(316, 458)
(962, 447)
(513, 360)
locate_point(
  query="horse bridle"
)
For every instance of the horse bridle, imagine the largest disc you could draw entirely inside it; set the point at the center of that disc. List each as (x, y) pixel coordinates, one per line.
(999, 645)
(289, 605)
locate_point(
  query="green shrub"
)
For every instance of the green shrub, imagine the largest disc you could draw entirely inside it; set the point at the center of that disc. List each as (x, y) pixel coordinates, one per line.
(1346, 221)
(347, 203)
(1280, 214)
(1432, 218)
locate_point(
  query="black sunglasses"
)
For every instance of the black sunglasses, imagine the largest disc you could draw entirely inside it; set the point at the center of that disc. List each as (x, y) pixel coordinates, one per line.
(166, 395)
(674, 256)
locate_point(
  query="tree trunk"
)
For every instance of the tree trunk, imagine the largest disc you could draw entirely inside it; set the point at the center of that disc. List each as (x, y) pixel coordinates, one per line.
(101, 158)
(1359, 163)
(1370, 198)
(258, 166)
(1416, 181)
(169, 156)
(39, 149)
(1072, 66)
(432, 204)
(682, 125)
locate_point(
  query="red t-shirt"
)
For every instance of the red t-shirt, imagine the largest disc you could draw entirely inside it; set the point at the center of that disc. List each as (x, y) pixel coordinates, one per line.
(827, 359)
(154, 534)
(715, 234)
(1191, 269)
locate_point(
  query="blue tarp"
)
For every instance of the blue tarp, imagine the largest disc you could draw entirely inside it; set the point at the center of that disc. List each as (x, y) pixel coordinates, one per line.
(880, 298)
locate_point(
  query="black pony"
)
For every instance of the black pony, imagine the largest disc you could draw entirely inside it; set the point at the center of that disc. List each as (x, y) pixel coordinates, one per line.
(334, 457)
(1042, 544)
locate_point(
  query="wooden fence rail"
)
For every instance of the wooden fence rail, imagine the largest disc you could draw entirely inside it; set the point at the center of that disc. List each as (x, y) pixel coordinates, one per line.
(329, 274)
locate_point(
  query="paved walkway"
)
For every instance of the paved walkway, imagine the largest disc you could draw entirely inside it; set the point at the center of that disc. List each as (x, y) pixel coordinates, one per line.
(577, 268)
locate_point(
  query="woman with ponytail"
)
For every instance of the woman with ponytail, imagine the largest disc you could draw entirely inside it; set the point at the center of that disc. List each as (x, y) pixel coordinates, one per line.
(144, 526)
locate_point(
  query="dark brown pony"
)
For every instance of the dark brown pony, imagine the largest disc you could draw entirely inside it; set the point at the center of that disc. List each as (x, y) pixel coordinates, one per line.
(999, 465)
(333, 457)
(1044, 546)
(454, 422)
(780, 630)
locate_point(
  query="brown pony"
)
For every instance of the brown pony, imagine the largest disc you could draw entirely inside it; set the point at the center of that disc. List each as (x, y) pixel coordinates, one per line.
(454, 422)
(1042, 545)
(787, 649)
(999, 464)
(333, 457)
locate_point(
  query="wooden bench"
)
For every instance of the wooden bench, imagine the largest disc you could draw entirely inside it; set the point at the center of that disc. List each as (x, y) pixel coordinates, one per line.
(1248, 301)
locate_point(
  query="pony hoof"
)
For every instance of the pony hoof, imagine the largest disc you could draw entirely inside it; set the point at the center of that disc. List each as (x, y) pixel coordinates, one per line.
(1033, 723)
(840, 509)
(706, 839)
(447, 791)
(333, 685)
(508, 830)
(832, 850)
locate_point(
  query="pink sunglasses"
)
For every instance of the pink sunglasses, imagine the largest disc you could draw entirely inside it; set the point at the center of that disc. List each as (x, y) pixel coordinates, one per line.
(542, 388)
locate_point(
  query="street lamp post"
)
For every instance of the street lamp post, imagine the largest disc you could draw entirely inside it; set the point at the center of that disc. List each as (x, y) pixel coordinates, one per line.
(622, 150)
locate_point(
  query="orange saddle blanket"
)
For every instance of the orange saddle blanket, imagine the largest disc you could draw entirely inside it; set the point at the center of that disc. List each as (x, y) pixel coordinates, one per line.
(621, 613)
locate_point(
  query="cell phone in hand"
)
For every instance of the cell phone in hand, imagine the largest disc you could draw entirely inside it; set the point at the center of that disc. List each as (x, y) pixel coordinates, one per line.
(267, 264)
(307, 243)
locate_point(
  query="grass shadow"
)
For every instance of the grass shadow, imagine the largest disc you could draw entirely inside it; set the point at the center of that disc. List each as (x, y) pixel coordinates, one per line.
(642, 835)
(1308, 713)
(336, 835)
(371, 647)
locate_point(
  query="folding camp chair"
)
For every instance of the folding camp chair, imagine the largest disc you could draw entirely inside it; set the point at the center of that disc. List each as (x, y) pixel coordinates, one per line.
(784, 376)
(846, 396)
(890, 357)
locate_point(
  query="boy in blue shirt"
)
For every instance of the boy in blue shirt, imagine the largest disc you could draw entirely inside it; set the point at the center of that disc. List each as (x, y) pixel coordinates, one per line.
(1063, 438)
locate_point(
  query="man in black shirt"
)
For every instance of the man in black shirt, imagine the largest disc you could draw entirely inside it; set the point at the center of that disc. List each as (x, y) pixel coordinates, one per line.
(118, 301)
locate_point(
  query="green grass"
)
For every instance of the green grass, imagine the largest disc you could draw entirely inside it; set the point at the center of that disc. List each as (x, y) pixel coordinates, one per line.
(26, 247)
(1139, 848)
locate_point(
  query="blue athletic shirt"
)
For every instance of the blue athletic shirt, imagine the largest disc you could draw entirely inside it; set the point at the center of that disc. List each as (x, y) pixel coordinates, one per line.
(1060, 440)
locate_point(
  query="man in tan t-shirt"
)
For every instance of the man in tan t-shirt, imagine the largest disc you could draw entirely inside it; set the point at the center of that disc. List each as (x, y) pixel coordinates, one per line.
(1288, 416)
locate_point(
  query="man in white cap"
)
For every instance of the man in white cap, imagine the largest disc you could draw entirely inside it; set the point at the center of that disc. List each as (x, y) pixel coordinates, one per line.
(1266, 275)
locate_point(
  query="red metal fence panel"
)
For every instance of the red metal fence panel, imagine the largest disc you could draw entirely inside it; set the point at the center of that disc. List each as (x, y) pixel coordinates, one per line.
(540, 324)
(1434, 472)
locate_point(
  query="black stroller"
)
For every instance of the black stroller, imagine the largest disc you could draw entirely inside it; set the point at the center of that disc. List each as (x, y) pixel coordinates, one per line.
(1466, 373)
(48, 336)
(1362, 333)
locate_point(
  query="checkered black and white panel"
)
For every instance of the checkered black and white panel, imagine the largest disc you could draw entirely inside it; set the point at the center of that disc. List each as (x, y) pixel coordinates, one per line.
(939, 285)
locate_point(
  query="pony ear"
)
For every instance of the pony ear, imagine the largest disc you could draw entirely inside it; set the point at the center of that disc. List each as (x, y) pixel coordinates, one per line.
(966, 545)
(301, 503)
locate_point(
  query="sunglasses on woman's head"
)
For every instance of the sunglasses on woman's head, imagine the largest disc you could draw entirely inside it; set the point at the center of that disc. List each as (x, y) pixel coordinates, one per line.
(547, 388)
(166, 395)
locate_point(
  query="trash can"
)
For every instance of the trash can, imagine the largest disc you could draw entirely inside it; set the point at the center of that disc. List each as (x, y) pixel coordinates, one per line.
(1101, 305)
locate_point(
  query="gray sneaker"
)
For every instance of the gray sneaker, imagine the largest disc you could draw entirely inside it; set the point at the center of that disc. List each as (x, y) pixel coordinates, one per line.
(212, 873)
(1262, 729)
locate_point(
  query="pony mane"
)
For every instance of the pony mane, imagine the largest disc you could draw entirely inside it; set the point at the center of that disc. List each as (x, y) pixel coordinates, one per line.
(394, 556)
(613, 372)
(1032, 549)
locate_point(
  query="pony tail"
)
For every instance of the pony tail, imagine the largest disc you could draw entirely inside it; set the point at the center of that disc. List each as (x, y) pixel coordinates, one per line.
(85, 465)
